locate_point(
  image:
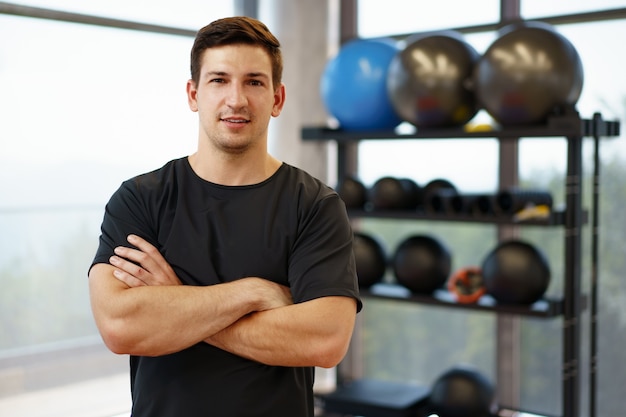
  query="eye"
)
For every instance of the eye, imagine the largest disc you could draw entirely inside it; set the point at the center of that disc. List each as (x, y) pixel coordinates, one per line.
(217, 80)
(256, 83)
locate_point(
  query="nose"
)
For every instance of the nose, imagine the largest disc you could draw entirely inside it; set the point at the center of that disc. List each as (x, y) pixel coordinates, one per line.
(235, 96)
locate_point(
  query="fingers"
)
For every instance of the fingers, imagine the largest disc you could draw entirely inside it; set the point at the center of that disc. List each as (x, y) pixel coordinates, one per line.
(273, 294)
(142, 266)
(128, 272)
(145, 254)
(144, 246)
(137, 256)
(128, 279)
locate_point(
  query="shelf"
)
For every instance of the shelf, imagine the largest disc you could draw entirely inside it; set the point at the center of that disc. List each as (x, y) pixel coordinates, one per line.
(565, 125)
(544, 308)
(556, 218)
(571, 126)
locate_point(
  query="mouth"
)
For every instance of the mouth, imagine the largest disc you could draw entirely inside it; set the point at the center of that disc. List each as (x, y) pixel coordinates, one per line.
(236, 120)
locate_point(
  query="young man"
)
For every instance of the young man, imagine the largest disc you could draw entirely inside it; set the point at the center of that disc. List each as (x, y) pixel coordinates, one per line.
(226, 275)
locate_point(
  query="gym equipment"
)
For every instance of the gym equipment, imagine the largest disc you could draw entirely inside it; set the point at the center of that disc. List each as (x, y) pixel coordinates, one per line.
(481, 204)
(370, 257)
(461, 203)
(462, 391)
(516, 272)
(440, 201)
(512, 200)
(376, 398)
(428, 80)
(353, 85)
(437, 195)
(353, 192)
(475, 204)
(422, 263)
(527, 73)
(390, 193)
(467, 285)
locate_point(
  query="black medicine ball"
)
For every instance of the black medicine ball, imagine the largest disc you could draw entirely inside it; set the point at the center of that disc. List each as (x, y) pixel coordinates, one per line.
(422, 264)
(353, 192)
(370, 257)
(462, 392)
(516, 272)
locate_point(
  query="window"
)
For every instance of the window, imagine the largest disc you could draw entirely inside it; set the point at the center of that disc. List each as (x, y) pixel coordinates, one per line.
(532, 9)
(377, 18)
(83, 108)
(187, 14)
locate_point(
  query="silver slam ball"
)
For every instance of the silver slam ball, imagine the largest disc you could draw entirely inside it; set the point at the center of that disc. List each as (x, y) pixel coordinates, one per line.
(529, 72)
(428, 81)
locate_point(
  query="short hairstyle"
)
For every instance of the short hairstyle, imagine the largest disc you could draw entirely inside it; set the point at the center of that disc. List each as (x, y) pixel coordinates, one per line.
(232, 31)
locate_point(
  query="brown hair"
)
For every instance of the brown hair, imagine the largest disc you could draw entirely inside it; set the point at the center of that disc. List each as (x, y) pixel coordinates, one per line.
(237, 30)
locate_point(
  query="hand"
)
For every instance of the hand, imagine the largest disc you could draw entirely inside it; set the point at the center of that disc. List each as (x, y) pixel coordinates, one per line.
(148, 266)
(271, 294)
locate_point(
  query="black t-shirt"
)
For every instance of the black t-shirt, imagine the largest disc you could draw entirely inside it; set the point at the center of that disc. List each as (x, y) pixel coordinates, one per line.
(291, 229)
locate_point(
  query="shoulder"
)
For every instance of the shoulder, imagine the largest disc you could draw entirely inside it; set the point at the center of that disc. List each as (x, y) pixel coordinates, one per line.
(312, 196)
(151, 186)
(306, 185)
(160, 177)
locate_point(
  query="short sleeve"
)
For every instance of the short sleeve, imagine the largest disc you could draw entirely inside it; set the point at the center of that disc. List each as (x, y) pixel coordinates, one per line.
(322, 263)
(124, 214)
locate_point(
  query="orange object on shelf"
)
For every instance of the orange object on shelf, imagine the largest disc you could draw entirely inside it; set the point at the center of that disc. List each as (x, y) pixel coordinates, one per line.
(467, 285)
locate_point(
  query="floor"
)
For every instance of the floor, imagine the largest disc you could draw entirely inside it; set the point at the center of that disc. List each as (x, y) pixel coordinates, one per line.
(103, 397)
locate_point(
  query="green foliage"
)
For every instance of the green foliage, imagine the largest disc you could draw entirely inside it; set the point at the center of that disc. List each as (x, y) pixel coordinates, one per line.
(45, 298)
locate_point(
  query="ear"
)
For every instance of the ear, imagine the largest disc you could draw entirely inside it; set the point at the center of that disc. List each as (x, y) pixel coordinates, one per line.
(192, 95)
(279, 100)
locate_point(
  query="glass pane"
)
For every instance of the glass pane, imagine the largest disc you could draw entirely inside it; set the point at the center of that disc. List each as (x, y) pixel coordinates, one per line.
(83, 108)
(382, 18)
(539, 8)
(191, 14)
(604, 91)
(470, 165)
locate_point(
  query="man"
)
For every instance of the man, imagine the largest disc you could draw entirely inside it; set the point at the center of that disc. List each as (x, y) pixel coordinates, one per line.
(263, 252)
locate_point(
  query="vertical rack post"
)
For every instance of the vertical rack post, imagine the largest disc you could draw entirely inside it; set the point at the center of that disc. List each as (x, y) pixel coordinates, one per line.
(593, 350)
(347, 164)
(572, 284)
(508, 326)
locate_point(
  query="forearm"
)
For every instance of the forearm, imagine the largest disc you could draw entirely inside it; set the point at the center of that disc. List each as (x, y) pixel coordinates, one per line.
(314, 333)
(157, 320)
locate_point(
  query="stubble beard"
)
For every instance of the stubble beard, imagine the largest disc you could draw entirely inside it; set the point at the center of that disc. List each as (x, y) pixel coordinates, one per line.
(232, 143)
(229, 146)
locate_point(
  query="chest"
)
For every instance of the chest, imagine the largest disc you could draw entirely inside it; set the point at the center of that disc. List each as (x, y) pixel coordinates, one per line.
(217, 238)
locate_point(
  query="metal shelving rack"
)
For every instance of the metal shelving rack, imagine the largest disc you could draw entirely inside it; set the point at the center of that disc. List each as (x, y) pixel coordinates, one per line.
(574, 129)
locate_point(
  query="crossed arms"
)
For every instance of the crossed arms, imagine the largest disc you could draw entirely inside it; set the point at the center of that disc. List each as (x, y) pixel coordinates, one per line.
(141, 308)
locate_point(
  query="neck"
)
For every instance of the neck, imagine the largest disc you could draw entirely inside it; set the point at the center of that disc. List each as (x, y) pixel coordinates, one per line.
(234, 170)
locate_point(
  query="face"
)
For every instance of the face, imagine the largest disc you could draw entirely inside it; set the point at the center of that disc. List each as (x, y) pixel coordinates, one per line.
(235, 98)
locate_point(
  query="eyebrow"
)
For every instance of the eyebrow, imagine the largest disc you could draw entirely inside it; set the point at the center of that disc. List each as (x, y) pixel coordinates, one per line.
(250, 74)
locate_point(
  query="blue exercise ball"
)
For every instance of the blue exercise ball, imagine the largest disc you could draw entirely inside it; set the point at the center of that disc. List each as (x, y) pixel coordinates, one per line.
(429, 80)
(529, 72)
(353, 85)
